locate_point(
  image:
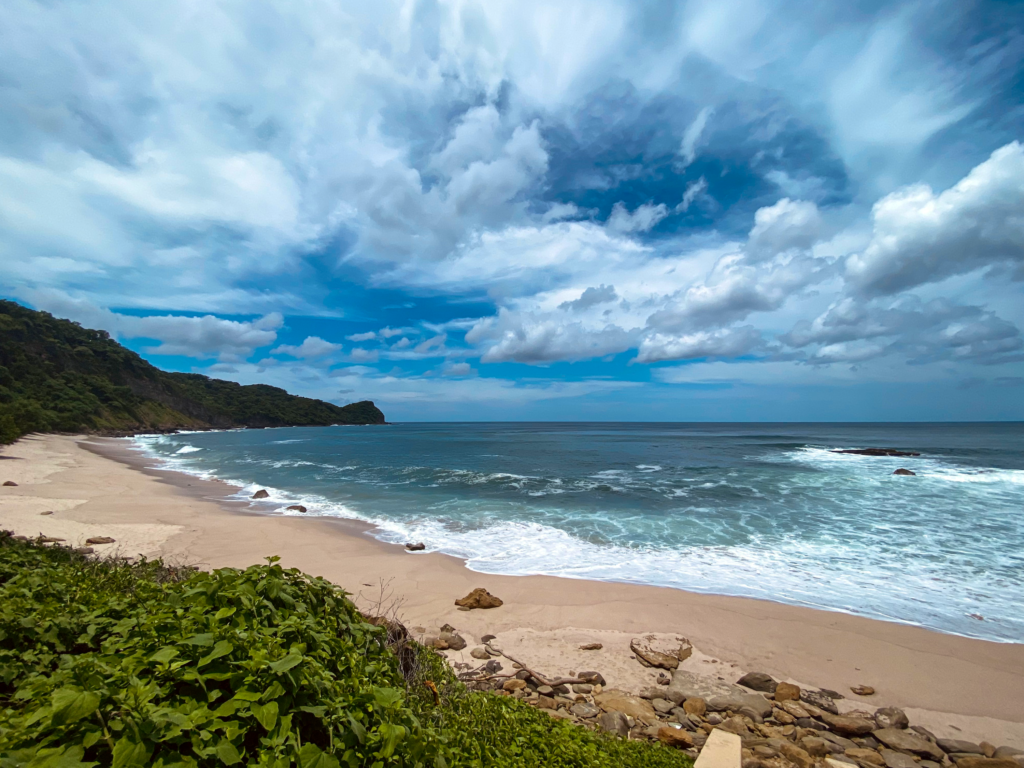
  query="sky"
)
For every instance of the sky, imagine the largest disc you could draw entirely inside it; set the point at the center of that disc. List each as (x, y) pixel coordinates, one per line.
(740, 210)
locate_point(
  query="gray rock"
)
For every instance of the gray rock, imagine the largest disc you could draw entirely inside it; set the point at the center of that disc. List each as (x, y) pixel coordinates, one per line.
(758, 681)
(959, 745)
(719, 695)
(584, 709)
(662, 706)
(908, 741)
(594, 678)
(891, 717)
(867, 742)
(922, 731)
(614, 722)
(545, 690)
(898, 759)
(1007, 752)
(819, 700)
(562, 689)
(838, 740)
(455, 641)
(582, 688)
(715, 719)
(928, 764)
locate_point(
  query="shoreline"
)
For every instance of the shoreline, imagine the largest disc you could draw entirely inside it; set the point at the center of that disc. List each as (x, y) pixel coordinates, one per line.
(957, 687)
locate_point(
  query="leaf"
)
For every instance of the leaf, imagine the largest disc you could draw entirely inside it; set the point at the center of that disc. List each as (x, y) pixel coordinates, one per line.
(283, 665)
(223, 648)
(164, 655)
(228, 753)
(71, 704)
(58, 758)
(357, 729)
(223, 613)
(266, 714)
(273, 691)
(248, 695)
(130, 754)
(311, 756)
(203, 640)
(386, 697)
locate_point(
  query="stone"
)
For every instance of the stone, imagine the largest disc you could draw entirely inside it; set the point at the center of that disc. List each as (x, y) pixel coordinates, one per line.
(783, 716)
(834, 695)
(562, 689)
(959, 745)
(820, 700)
(584, 709)
(735, 725)
(663, 679)
(815, 746)
(545, 690)
(1007, 752)
(614, 700)
(758, 681)
(839, 761)
(988, 762)
(479, 598)
(614, 723)
(591, 647)
(862, 756)
(898, 759)
(867, 742)
(929, 764)
(718, 695)
(908, 741)
(863, 690)
(849, 726)
(750, 714)
(546, 702)
(695, 706)
(296, 508)
(793, 708)
(796, 755)
(84, 550)
(904, 472)
(662, 706)
(877, 452)
(675, 737)
(714, 718)
(50, 512)
(435, 642)
(787, 692)
(922, 731)
(839, 741)
(487, 638)
(419, 546)
(99, 540)
(10, 484)
(594, 678)
(654, 652)
(454, 640)
(514, 685)
(480, 653)
(582, 688)
(721, 750)
(986, 747)
(891, 717)
(261, 494)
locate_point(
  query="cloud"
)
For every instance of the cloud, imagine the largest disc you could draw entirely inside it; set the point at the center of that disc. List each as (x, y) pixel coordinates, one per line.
(786, 225)
(919, 237)
(591, 297)
(312, 346)
(536, 339)
(643, 219)
(692, 136)
(725, 342)
(693, 191)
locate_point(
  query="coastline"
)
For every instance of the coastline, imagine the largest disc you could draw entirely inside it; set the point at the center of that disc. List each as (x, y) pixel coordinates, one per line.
(957, 687)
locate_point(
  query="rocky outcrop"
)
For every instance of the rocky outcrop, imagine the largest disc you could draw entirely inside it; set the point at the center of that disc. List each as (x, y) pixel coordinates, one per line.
(758, 681)
(417, 547)
(906, 472)
(666, 654)
(261, 494)
(479, 598)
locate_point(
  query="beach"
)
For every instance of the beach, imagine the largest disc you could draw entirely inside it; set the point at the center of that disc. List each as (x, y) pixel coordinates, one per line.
(956, 687)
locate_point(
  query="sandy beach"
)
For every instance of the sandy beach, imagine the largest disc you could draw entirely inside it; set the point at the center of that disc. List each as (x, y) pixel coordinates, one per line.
(956, 687)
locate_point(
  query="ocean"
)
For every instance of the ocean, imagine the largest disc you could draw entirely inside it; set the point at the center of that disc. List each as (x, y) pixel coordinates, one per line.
(756, 510)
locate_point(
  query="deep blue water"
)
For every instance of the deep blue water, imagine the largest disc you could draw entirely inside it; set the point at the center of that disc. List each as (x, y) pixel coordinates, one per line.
(760, 510)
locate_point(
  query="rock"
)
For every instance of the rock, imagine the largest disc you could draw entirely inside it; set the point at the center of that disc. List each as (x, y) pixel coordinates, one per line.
(863, 690)
(1007, 752)
(898, 759)
(839, 761)
(663, 679)
(988, 762)
(820, 700)
(479, 598)
(296, 508)
(929, 764)
(99, 540)
(546, 690)
(454, 640)
(878, 452)
(582, 688)
(591, 647)
(594, 678)
(783, 716)
(487, 638)
(718, 695)
(653, 652)
(843, 743)
(907, 741)
(905, 472)
(675, 737)
(787, 692)
(10, 484)
(834, 695)
(435, 642)
(849, 726)
(796, 755)
(867, 742)
(546, 702)
(714, 718)
(614, 700)
(815, 746)
(986, 747)
(891, 717)
(735, 725)
(722, 750)
(614, 722)
(482, 654)
(758, 681)
(695, 706)
(922, 731)
(514, 685)
(584, 709)
(958, 745)
(50, 512)
(865, 756)
(562, 689)
(750, 714)
(662, 706)
(261, 494)
(84, 550)
(417, 547)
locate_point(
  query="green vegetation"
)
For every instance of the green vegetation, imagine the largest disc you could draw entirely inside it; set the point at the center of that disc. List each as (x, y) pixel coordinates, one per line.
(109, 663)
(57, 376)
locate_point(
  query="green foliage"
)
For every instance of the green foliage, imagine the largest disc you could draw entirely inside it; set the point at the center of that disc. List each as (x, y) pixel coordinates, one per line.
(106, 663)
(57, 376)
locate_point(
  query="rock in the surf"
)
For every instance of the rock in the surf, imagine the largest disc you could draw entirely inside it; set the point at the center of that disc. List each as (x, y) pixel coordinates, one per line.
(906, 472)
(296, 508)
(261, 494)
(479, 598)
(417, 547)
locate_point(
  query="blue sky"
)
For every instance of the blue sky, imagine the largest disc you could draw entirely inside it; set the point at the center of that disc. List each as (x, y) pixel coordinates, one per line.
(739, 210)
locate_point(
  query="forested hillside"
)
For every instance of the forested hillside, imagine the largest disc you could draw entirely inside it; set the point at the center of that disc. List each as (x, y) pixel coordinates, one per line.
(56, 375)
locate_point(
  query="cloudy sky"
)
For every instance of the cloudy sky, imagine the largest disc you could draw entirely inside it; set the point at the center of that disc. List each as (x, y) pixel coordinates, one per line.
(729, 210)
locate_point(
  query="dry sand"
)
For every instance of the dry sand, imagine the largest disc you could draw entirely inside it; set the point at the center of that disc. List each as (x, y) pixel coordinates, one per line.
(957, 687)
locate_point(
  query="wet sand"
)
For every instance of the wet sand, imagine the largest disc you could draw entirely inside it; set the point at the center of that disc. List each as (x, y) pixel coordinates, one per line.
(957, 687)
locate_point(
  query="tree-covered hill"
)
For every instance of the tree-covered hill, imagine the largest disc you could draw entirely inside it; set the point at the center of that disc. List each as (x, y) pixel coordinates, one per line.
(56, 375)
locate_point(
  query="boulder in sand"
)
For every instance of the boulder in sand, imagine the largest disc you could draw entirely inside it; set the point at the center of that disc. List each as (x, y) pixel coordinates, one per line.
(758, 681)
(261, 494)
(820, 700)
(417, 547)
(664, 653)
(591, 647)
(479, 598)
(891, 717)
(10, 484)
(863, 690)
(100, 540)
(959, 745)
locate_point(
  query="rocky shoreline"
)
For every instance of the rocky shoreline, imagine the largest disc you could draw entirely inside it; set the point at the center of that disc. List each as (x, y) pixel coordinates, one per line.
(773, 724)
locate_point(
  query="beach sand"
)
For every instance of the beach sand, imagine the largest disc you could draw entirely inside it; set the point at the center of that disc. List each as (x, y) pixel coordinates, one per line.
(956, 687)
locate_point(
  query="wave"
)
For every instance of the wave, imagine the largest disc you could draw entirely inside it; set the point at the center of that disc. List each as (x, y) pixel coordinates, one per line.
(188, 449)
